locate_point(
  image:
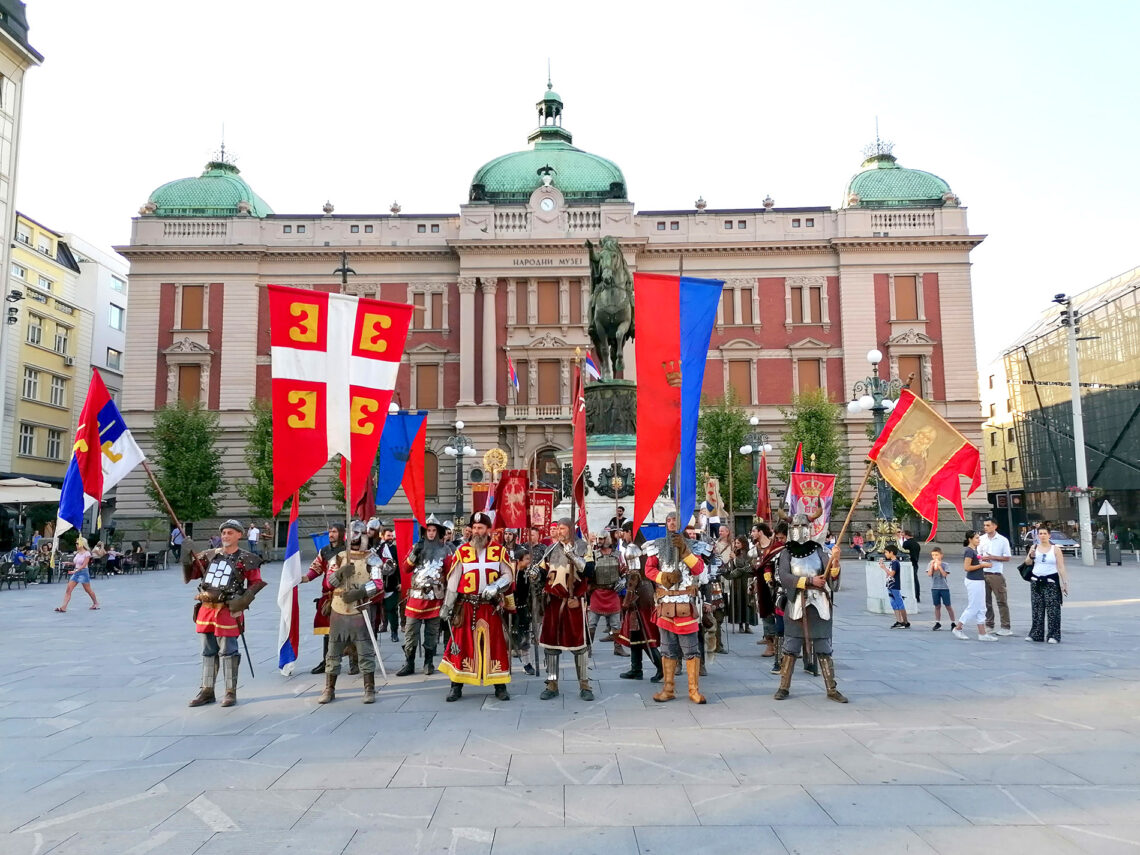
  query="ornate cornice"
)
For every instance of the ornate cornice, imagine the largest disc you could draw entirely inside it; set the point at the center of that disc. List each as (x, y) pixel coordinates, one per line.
(740, 250)
(173, 252)
(507, 247)
(893, 244)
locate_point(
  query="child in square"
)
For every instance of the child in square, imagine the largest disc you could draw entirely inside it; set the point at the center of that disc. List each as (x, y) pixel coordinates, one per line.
(939, 587)
(894, 585)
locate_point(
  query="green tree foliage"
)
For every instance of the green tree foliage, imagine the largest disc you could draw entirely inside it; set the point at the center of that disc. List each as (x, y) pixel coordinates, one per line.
(721, 429)
(187, 462)
(814, 420)
(257, 490)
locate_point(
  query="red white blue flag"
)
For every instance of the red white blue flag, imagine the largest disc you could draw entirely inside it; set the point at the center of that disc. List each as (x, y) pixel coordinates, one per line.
(512, 375)
(101, 456)
(592, 367)
(288, 634)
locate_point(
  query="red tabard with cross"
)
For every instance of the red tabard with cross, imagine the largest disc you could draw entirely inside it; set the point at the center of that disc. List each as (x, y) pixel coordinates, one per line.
(477, 653)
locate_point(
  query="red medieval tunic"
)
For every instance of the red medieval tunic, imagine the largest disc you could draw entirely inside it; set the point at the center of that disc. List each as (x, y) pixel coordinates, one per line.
(679, 624)
(216, 617)
(477, 653)
(323, 567)
(563, 620)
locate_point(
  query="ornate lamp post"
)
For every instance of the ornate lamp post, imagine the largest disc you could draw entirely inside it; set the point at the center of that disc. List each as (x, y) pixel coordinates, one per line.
(754, 443)
(457, 446)
(878, 395)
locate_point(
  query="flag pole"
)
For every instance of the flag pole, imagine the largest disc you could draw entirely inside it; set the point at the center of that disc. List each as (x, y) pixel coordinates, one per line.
(850, 512)
(162, 495)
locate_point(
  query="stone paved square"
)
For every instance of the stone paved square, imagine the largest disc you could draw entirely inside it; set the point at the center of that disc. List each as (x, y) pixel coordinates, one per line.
(946, 746)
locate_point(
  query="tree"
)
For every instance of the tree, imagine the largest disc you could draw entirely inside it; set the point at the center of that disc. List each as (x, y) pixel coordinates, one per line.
(814, 421)
(258, 489)
(721, 429)
(187, 462)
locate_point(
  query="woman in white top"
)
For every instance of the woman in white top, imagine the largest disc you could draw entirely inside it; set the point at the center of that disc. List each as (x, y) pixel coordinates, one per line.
(80, 574)
(1047, 585)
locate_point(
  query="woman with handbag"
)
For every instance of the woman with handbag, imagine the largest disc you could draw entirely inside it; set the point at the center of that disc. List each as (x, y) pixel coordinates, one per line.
(1044, 569)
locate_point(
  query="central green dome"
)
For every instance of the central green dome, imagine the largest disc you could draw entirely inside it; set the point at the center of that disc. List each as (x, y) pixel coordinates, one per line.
(578, 175)
(885, 184)
(219, 191)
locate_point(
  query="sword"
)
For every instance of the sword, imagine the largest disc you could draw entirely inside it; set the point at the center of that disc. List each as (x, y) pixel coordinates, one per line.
(248, 658)
(366, 613)
(808, 653)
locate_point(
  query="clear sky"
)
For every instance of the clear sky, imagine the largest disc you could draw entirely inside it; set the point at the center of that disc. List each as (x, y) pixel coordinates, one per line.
(1028, 110)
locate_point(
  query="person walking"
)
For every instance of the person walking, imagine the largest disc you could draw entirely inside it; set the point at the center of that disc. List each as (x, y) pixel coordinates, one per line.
(176, 538)
(1048, 584)
(975, 589)
(994, 550)
(79, 574)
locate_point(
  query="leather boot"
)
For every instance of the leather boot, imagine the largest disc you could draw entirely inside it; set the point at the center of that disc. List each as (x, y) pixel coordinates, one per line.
(634, 672)
(584, 690)
(370, 688)
(619, 650)
(330, 689)
(501, 693)
(409, 666)
(655, 658)
(787, 666)
(429, 663)
(693, 669)
(551, 691)
(777, 661)
(769, 647)
(670, 669)
(230, 665)
(320, 668)
(827, 666)
(456, 692)
(209, 677)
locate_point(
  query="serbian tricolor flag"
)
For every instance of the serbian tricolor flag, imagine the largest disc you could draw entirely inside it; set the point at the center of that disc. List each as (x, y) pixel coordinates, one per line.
(335, 359)
(401, 460)
(103, 453)
(579, 459)
(512, 375)
(763, 500)
(288, 632)
(672, 343)
(923, 457)
(592, 368)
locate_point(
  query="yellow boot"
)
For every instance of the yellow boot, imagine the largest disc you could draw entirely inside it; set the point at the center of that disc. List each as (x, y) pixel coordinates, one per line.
(670, 668)
(693, 668)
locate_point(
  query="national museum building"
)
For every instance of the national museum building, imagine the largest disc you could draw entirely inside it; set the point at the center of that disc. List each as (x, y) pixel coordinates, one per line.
(808, 292)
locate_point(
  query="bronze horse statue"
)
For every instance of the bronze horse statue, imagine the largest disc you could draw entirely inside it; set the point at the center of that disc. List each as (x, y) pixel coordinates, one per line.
(611, 305)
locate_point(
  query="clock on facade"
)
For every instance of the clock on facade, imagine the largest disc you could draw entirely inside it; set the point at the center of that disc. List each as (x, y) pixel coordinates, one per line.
(547, 204)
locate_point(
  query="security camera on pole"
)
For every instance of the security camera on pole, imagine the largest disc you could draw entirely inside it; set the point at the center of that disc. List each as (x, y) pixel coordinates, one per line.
(1070, 319)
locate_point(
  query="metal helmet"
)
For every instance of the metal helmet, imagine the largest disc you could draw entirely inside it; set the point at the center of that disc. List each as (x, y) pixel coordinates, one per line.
(440, 528)
(374, 524)
(234, 524)
(357, 531)
(800, 529)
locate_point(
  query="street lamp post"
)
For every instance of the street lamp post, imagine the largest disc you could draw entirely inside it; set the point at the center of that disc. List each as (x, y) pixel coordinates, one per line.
(1070, 319)
(754, 443)
(458, 445)
(878, 395)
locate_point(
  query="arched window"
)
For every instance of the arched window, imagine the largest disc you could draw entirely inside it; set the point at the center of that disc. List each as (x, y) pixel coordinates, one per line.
(431, 475)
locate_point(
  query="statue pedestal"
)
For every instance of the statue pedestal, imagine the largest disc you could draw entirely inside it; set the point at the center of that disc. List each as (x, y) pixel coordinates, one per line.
(878, 601)
(611, 408)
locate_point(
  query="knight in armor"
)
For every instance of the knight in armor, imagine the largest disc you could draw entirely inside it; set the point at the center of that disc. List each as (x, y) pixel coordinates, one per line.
(809, 581)
(477, 584)
(605, 604)
(352, 588)
(678, 575)
(567, 580)
(430, 562)
(638, 631)
(322, 568)
(231, 578)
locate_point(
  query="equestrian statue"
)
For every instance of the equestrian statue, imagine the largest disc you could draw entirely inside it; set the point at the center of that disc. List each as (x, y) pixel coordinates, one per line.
(611, 305)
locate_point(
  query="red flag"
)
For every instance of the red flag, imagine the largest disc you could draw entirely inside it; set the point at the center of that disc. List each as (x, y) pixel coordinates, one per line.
(413, 481)
(763, 499)
(405, 531)
(579, 465)
(510, 499)
(922, 456)
(330, 391)
(88, 446)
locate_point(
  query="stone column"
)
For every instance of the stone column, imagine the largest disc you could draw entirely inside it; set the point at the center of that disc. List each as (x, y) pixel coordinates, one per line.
(466, 288)
(490, 349)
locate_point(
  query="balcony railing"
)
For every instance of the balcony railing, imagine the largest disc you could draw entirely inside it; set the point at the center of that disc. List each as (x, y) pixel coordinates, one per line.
(538, 412)
(902, 221)
(194, 228)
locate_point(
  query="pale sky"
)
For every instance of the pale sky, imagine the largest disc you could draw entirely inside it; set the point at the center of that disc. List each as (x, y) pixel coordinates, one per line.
(1027, 109)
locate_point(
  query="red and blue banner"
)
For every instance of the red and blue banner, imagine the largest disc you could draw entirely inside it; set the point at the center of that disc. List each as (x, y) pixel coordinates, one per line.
(671, 348)
(103, 453)
(401, 460)
(288, 632)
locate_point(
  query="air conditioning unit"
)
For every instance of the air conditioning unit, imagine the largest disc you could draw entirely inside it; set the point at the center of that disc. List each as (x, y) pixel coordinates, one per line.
(69, 361)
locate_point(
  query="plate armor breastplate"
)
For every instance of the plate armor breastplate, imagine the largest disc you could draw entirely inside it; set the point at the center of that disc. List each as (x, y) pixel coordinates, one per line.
(222, 577)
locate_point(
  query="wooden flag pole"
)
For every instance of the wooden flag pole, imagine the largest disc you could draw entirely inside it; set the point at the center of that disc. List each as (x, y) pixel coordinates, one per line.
(162, 495)
(850, 512)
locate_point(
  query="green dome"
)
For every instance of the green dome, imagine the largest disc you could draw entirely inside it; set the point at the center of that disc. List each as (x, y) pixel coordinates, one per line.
(885, 184)
(217, 192)
(577, 174)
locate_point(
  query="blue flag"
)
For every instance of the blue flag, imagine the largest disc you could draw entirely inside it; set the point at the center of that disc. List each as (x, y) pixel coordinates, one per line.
(699, 301)
(400, 431)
